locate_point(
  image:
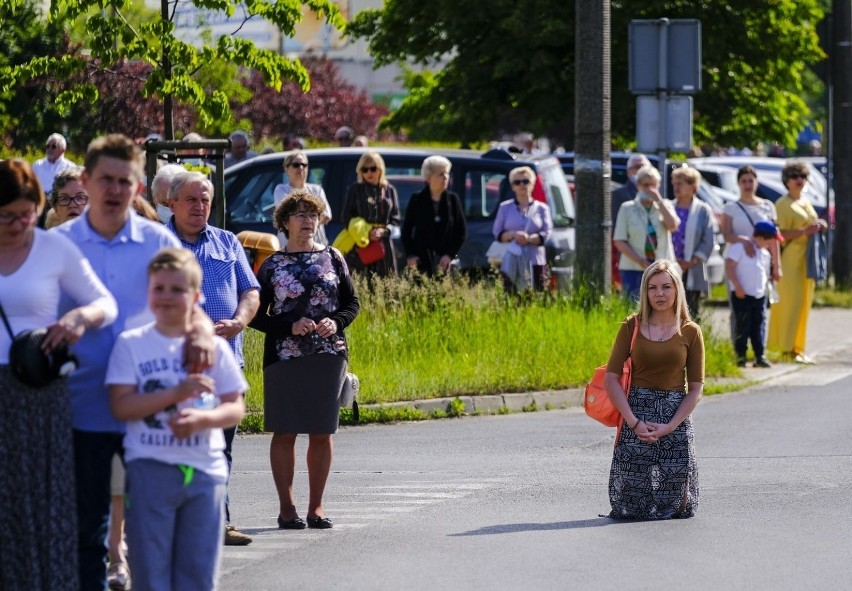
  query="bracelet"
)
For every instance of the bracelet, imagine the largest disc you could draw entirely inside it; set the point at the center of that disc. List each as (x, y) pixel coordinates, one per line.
(633, 428)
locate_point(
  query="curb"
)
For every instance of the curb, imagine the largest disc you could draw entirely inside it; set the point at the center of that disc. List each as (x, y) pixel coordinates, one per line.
(571, 397)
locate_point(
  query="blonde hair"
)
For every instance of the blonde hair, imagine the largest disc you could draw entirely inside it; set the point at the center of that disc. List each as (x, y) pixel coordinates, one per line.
(372, 159)
(648, 172)
(690, 176)
(177, 259)
(673, 271)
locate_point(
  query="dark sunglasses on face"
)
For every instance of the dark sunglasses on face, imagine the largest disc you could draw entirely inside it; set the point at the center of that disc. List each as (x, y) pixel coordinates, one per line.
(796, 175)
(79, 199)
(518, 182)
(366, 169)
(298, 165)
(51, 146)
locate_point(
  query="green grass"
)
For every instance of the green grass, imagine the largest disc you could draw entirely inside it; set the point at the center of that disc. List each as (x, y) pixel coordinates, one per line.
(416, 340)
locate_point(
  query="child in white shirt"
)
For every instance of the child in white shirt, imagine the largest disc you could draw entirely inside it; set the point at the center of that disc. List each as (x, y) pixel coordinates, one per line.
(748, 278)
(176, 469)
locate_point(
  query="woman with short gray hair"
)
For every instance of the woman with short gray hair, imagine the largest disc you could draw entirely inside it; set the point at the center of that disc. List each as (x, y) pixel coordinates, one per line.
(434, 227)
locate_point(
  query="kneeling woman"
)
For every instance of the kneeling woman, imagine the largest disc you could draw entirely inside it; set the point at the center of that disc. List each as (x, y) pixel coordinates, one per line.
(653, 474)
(306, 300)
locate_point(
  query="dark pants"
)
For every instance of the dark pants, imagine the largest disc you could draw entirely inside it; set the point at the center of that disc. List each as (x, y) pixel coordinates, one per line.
(93, 452)
(693, 299)
(750, 313)
(631, 283)
(229, 440)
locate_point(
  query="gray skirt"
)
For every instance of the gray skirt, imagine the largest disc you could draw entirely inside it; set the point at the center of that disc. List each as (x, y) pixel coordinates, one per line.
(302, 394)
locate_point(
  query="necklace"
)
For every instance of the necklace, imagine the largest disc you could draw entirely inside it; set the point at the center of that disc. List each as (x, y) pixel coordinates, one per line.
(665, 331)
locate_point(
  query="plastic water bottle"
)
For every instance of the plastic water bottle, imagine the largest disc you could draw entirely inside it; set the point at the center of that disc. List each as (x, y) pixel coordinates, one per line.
(772, 293)
(206, 401)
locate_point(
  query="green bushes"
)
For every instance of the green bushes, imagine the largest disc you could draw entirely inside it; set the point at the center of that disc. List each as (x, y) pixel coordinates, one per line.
(432, 339)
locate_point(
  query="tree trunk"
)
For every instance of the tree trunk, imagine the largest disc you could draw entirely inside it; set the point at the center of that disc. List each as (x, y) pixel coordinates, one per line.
(592, 149)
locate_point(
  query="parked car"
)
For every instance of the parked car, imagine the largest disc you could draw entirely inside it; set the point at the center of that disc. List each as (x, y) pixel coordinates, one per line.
(480, 180)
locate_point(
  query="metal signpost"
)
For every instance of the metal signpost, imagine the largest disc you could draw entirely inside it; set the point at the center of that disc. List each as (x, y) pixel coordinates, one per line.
(664, 60)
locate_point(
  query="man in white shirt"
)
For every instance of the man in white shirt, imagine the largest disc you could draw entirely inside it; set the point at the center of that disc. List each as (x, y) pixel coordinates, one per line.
(53, 163)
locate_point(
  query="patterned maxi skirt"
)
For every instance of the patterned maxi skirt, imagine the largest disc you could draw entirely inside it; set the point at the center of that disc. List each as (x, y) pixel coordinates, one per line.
(651, 480)
(38, 512)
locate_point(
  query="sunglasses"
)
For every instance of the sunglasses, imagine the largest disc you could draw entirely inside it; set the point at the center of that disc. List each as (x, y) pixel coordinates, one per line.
(298, 165)
(366, 169)
(519, 182)
(79, 199)
(51, 146)
(796, 175)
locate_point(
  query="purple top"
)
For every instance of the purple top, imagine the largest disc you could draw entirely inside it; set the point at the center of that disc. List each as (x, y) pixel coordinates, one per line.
(678, 235)
(536, 221)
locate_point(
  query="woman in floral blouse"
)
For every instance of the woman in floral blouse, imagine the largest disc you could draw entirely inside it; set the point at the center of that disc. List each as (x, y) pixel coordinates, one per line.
(306, 301)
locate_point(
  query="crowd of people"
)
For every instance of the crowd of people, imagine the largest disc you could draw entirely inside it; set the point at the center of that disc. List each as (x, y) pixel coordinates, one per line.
(153, 304)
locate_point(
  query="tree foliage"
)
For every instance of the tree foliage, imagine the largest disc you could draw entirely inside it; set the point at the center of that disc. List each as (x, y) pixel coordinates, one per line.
(112, 38)
(507, 65)
(330, 103)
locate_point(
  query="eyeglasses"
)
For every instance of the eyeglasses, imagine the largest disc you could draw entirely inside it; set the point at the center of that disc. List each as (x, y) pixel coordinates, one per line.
(298, 165)
(366, 169)
(7, 219)
(518, 182)
(51, 146)
(304, 216)
(79, 199)
(796, 175)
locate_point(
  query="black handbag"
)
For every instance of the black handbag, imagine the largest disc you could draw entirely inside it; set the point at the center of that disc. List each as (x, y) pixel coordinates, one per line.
(30, 364)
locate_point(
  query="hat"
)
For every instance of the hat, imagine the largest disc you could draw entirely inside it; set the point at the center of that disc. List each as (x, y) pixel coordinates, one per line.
(767, 229)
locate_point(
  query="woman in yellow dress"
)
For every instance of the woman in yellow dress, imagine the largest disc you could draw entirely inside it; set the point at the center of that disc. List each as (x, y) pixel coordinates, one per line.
(798, 221)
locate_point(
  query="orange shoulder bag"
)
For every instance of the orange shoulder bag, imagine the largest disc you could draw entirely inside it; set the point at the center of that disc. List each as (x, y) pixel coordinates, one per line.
(596, 400)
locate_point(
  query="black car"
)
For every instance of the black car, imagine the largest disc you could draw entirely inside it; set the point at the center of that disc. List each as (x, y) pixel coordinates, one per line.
(479, 179)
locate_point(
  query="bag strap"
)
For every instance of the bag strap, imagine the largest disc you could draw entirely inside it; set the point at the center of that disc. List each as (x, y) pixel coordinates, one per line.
(745, 211)
(6, 322)
(635, 333)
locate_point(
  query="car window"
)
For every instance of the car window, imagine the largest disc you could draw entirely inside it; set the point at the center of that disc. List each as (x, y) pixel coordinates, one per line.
(562, 205)
(483, 192)
(252, 203)
(407, 180)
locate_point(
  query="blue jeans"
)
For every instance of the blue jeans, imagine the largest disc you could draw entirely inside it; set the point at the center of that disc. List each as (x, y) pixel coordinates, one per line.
(93, 453)
(174, 527)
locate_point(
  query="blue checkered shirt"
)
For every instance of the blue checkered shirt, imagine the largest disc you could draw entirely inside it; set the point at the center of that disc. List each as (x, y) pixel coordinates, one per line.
(227, 275)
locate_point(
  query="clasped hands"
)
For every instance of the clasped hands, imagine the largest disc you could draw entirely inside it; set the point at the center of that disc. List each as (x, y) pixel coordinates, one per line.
(324, 328)
(649, 432)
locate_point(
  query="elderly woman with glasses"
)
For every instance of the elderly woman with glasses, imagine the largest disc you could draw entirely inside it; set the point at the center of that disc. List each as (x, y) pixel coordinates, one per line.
(374, 200)
(306, 301)
(296, 169)
(525, 225)
(37, 268)
(799, 224)
(434, 227)
(68, 197)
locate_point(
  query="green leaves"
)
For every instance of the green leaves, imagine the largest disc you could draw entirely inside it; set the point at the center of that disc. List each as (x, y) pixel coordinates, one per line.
(116, 31)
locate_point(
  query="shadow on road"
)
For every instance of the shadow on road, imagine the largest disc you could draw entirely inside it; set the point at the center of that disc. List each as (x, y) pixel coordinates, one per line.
(512, 528)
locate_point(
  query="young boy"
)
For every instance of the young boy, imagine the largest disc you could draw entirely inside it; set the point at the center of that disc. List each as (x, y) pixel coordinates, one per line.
(748, 278)
(176, 471)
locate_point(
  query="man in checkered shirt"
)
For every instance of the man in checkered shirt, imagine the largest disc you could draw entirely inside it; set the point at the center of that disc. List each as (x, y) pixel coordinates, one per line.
(230, 289)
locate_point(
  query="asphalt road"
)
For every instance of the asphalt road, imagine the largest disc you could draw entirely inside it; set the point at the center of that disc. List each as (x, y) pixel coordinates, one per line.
(512, 502)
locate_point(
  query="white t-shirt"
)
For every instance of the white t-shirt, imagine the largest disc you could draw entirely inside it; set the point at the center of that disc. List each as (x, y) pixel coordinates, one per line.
(54, 266)
(753, 272)
(46, 171)
(151, 361)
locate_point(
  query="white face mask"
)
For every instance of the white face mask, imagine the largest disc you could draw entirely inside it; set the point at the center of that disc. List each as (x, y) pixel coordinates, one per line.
(645, 197)
(633, 179)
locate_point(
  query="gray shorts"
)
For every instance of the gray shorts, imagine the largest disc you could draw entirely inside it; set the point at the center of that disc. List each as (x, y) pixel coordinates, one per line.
(174, 530)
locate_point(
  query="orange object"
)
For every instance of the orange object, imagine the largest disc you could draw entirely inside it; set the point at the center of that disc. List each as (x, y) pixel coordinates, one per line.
(596, 400)
(258, 246)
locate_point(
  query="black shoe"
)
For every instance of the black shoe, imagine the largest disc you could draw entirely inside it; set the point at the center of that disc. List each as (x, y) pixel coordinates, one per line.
(741, 362)
(762, 362)
(297, 523)
(319, 523)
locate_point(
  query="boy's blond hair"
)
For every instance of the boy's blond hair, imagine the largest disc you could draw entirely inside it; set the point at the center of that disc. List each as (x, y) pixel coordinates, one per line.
(177, 259)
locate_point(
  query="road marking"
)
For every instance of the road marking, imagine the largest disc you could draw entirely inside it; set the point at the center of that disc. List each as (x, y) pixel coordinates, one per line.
(812, 377)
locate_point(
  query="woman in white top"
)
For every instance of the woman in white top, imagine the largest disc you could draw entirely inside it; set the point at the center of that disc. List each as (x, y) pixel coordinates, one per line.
(296, 167)
(38, 525)
(643, 231)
